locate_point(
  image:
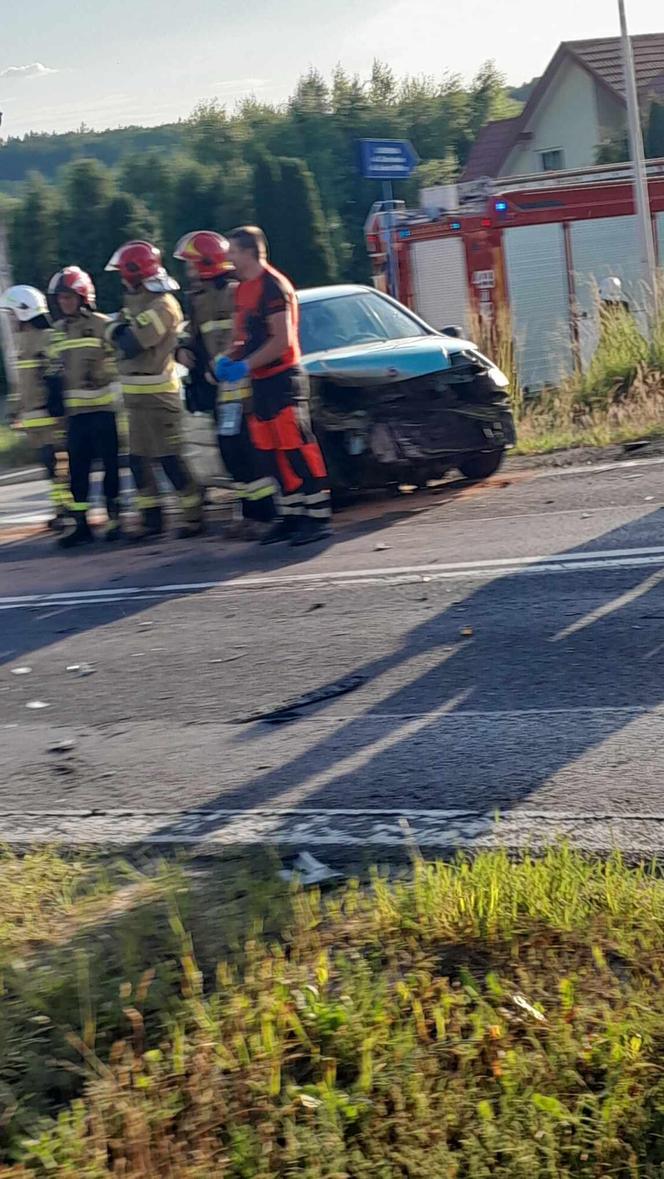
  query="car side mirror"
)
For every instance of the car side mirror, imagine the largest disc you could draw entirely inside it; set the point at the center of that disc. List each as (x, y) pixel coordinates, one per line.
(453, 330)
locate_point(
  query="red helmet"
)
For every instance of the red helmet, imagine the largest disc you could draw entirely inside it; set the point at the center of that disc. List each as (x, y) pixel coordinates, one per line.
(73, 280)
(137, 261)
(207, 251)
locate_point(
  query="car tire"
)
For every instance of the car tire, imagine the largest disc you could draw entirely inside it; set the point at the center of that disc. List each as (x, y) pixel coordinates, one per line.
(482, 465)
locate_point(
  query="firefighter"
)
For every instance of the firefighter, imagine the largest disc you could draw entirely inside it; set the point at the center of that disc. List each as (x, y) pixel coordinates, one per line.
(145, 336)
(210, 297)
(38, 406)
(85, 358)
(267, 349)
(612, 295)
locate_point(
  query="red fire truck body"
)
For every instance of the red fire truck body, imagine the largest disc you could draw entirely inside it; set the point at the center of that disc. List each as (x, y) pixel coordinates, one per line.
(539, 246)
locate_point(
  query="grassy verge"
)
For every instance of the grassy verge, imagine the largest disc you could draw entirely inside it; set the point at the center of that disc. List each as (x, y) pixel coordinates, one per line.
(476, 1019)
(618, 398)
(14, 450)
(556, 422)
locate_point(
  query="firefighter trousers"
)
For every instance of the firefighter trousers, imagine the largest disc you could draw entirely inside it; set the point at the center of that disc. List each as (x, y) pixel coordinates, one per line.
(247, 468)
(54, 458)
(93, 437)
(49, 446)
(280, 429)
(155, 436)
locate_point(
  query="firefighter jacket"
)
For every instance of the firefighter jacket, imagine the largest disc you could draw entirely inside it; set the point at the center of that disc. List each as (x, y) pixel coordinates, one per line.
(33, 363)
(145, 336)
(210, 331)
(85, 358)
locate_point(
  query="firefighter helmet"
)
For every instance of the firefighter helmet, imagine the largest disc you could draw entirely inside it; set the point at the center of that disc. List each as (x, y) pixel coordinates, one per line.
(74, 281)
(611, 290)
(206, 251)
(139, 264)
(26, 302)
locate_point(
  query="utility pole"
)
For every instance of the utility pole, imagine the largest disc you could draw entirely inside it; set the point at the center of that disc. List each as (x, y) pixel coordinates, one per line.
(641, 196)
(7, 346)
(6, 334)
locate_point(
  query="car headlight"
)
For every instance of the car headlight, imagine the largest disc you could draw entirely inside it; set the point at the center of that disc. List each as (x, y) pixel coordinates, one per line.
(499, 379)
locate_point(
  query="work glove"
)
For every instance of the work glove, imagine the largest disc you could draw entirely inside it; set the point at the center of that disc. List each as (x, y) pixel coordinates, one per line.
(229, 370)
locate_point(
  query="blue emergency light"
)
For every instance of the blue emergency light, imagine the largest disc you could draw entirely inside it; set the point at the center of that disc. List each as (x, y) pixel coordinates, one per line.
(455, 225)
(501, 206)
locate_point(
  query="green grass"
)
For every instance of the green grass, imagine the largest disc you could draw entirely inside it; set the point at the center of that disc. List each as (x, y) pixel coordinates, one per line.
(481, 1018)
(15, 450)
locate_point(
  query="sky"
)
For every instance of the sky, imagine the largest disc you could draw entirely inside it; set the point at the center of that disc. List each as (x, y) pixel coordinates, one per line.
(151, 61)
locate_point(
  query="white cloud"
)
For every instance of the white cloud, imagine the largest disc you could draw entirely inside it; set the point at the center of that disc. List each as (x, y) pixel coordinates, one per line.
(242, 84)
(36, 70)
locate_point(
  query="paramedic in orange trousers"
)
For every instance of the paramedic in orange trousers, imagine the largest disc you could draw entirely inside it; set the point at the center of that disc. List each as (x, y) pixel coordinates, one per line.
(266, 348)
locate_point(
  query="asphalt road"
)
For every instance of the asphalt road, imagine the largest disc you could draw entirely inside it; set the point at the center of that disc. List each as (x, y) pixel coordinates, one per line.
(481, 651)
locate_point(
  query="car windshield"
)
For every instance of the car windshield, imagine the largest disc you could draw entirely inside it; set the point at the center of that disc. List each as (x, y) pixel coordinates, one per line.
(345, 320)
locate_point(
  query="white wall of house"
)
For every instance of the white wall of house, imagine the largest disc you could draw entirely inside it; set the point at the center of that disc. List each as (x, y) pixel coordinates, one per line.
(566, 119)
(611, 115)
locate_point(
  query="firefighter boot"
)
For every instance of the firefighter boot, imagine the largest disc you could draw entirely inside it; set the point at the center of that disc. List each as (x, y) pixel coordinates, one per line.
(310, 531)
(282, 531)
(152, 526)
(57, 523)
(188, 530)
(113, 528)
(81, 533)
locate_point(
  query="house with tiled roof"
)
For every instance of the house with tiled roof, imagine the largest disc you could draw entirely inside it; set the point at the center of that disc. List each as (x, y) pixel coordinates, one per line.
(577, 104)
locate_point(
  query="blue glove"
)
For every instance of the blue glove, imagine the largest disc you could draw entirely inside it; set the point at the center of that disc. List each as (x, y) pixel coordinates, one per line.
(229, 370)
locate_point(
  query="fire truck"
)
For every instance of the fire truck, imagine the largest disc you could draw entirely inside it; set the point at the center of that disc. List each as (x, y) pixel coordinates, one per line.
(538, 246)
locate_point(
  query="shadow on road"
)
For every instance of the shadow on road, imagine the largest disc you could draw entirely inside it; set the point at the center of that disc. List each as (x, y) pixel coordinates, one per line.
(554, 641)
(524, 655)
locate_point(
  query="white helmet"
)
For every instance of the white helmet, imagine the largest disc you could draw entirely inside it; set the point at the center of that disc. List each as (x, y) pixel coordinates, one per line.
(26, 302)
(611, 290)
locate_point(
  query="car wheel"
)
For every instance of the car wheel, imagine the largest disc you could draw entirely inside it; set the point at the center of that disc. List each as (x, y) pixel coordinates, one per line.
(482, 465)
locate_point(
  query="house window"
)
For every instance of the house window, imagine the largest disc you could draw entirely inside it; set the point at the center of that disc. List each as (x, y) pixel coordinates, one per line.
(553, 160)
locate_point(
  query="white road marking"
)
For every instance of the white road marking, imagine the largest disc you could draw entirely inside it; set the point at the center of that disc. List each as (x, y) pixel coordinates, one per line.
(595, 468)
(611, 607)
(361, 830)
(599, 559)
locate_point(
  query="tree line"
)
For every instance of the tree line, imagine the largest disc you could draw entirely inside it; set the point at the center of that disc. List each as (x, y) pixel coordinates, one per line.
(291, 168)
(285, 164)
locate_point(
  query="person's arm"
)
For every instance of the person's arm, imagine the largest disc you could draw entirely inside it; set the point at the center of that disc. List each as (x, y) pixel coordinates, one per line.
(144, 330)
(279, 328)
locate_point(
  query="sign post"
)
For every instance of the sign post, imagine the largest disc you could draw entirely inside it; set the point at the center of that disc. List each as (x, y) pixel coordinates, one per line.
(388, 160)
(641, 195)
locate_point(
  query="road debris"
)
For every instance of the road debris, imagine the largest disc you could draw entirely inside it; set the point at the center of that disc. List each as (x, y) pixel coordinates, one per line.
(36, 704)
(284, 713)
(81, 669)
(315, 606)
(62, 746)
(307, 869)
(21, 670)
(466, 632)
(381, 547)
(522, 1002)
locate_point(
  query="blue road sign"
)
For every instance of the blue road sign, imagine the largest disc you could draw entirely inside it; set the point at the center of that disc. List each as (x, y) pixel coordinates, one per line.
(387, 159)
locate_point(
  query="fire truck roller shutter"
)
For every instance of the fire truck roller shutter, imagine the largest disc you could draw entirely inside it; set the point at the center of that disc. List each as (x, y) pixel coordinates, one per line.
(440, 279)
(601, 247)
(539, 303)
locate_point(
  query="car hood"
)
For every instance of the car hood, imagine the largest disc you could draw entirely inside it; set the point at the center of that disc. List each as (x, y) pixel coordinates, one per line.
(386, 361)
